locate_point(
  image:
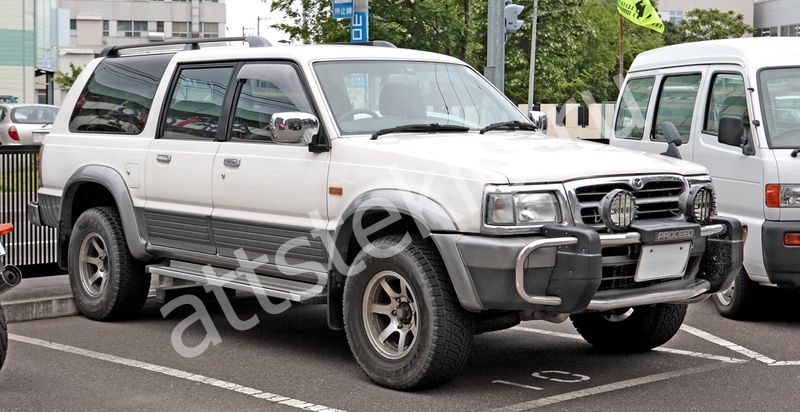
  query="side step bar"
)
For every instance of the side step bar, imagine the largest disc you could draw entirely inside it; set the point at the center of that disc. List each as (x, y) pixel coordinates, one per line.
(244, 281)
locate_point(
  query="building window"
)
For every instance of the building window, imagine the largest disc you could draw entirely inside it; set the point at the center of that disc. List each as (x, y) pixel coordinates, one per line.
(210, 30)
(105, 28)
(130, 28)
(792, 30)
(675, 17)
(766, 32)
(160, 26)
(180, 29)
(73, 24)
(210, 1)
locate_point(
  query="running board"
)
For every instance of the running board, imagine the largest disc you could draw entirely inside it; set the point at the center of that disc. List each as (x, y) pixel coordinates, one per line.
(240, 280)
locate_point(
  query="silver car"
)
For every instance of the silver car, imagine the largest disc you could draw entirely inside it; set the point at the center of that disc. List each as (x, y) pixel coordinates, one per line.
(18, 121)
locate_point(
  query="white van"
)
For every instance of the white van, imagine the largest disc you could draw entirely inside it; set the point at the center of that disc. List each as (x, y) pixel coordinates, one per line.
(736, 106)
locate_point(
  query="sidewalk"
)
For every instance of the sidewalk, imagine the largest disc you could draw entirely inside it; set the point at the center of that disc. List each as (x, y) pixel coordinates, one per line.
(39, 298)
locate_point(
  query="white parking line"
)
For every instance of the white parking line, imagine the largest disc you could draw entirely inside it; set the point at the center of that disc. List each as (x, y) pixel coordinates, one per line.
(709, 356)
(519, 385)
(256, 393)
(728, 344)
(537, 403)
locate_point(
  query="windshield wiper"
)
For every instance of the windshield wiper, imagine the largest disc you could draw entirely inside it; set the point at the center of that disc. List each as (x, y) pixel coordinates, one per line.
(430, 128)
(512, 125)
(795, 152)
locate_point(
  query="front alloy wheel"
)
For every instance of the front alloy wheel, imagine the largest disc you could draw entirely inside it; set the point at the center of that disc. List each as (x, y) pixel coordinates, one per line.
(390, 315)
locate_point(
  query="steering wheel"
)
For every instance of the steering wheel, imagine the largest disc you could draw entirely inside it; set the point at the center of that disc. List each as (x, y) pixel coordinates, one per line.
(351, 113)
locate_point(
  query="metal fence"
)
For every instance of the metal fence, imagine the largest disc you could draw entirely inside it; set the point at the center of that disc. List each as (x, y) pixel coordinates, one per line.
(27, 244)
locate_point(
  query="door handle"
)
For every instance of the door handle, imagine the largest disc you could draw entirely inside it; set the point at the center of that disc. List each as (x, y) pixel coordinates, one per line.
(232, 162)
(164, 158)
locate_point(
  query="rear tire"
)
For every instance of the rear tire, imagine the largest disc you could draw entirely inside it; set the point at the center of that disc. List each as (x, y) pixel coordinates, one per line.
(406, 296)
(741, 300)
(634, 330)
(107, 282)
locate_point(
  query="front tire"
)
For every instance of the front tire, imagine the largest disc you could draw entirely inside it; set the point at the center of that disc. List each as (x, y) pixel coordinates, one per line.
(634, 330)
(403, 320)
(741, 300)
(106, 281)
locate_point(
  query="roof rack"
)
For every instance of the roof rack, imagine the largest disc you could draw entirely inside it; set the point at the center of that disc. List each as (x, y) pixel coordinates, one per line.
(374, 43)
(189, 44)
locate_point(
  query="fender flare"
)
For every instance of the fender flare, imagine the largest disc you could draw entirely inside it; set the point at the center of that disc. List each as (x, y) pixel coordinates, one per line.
(112, 180)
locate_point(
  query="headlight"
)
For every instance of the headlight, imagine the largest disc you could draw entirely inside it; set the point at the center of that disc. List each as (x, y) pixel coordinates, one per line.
(698, 203)
(782, 195)
(522, 209)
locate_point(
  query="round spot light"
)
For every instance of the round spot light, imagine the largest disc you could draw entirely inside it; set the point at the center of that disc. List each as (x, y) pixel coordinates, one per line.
(698, 204)
(618, 210)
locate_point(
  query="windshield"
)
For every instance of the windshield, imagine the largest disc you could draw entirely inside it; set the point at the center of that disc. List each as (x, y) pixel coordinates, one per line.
(34, 114)
(369, 96)
(780, 96)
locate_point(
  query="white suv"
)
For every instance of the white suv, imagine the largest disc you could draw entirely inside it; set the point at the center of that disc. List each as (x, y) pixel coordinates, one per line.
(397, 184)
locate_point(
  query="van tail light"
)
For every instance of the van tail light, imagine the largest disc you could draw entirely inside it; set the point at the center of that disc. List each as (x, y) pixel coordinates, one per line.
(12, 133)
(772, 195)
(791, 239)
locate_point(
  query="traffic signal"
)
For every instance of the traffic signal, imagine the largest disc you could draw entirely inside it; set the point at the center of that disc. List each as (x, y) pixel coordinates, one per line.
(511, 13)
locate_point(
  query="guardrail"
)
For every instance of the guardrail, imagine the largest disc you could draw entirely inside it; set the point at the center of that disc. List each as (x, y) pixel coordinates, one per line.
(19, 181)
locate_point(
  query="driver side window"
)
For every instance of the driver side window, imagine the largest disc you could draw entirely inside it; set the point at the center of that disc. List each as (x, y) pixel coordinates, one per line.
(727, 98)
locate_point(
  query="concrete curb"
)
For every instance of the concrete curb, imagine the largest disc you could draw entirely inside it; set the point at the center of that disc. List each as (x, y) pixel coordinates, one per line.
(34, 309)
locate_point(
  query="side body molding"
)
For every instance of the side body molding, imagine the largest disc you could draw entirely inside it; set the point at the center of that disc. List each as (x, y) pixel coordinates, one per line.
(115, 184)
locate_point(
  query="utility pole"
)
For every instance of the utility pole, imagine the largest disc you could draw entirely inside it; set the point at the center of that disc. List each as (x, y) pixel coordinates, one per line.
(495, 44)
(532, 77)
(359, 23)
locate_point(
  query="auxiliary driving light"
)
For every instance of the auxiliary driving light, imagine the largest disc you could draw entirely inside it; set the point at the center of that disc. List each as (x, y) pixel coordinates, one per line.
(618, 210)
(698, 204)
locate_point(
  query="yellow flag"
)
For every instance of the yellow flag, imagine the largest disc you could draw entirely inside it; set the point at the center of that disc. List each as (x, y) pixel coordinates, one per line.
(642, 13)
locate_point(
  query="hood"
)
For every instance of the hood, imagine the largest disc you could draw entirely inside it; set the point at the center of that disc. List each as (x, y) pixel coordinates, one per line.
(522, 157)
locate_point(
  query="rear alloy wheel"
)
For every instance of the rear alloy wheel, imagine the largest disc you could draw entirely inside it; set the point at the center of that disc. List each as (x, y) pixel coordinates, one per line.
(630, 330)
(403, 320)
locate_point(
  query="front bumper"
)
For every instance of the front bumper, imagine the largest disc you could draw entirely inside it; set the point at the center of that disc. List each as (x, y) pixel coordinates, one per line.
(572, 269)
(782, 262)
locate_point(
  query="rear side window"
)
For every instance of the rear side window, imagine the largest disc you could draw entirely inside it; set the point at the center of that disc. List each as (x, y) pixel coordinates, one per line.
(676, 104)
(33, 114)
(119, 95)
(728, 98)
(195, 106)
(633, 109)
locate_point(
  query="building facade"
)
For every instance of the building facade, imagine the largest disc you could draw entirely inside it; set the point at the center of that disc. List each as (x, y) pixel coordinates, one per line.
(777, 18)
(675, 10)
(96, 24)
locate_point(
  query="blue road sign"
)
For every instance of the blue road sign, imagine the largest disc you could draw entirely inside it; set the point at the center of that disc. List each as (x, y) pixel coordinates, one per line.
(342, 9)
(359, 27)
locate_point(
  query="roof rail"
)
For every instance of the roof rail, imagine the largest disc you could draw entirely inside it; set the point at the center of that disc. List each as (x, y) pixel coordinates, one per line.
(374, 43)
(189, 44)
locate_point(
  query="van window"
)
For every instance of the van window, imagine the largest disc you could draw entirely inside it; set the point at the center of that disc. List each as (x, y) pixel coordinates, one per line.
(676, 104)
(633, 108)
(727, 98)
(196, 103)
(780, 97)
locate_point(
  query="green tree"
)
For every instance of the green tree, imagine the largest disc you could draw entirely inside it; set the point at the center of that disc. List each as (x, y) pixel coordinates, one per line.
(65, 80)
(712, 24)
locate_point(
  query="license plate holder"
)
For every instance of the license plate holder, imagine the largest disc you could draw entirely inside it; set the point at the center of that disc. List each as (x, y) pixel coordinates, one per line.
(662, 261)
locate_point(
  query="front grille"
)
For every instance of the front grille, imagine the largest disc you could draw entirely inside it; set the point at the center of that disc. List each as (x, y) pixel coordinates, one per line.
(657, 199)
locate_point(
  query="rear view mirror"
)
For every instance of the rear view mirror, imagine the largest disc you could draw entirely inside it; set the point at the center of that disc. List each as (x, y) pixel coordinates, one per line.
(294, 127)
(731, 130)
(731, 133)
(539, 119)
(673, 139)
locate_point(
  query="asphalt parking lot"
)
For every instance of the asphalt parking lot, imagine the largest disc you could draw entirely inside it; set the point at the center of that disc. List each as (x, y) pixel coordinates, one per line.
(292, 361)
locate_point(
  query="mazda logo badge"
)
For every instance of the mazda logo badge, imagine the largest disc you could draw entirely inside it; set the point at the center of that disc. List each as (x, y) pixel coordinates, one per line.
(638, 184)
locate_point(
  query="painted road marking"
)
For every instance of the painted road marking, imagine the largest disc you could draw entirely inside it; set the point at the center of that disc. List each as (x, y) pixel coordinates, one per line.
(519, 385)
(543, 375)
(524, 406)
(728, 344)
(256, 393)
(708, 356)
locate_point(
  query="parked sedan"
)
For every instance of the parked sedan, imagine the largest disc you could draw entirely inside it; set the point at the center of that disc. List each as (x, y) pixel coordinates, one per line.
(18, 121)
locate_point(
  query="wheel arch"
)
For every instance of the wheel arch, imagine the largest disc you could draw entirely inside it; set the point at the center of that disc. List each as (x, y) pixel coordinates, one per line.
(92, 186)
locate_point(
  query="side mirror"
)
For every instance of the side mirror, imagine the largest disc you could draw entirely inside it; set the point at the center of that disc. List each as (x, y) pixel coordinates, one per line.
(673, 139)
(296, 128)
(731, 132)
(539, 119)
